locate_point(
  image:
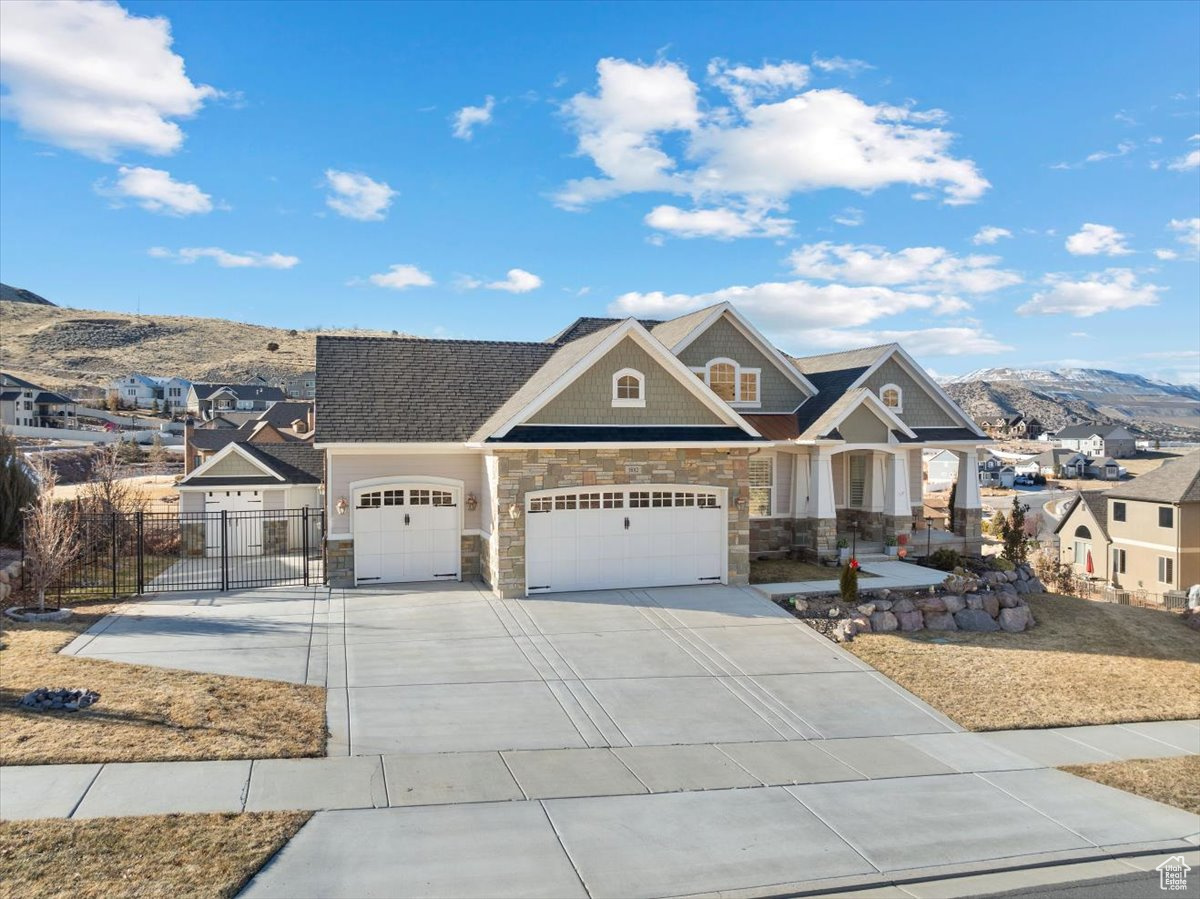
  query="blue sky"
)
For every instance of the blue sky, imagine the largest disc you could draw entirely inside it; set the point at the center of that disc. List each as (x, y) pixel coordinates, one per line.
(1002, 184)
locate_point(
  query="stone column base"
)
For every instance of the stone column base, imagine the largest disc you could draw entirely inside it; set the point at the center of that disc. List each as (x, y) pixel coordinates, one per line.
(824, 532)
(895, 525)
(968, 523)
(339, 563)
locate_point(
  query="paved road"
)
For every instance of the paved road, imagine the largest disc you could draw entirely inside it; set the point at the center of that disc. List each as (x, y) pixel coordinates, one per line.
(1035, 498)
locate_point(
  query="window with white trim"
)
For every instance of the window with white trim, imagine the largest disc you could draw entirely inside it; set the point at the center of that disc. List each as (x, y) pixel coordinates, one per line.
(1166, 570)
(1118, 557)
(762, 487)
(857, 474)
(735, 385)
(629, 388)
(892, 397)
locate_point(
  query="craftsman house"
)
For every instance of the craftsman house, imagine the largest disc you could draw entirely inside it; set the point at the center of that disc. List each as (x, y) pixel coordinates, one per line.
(620, 453)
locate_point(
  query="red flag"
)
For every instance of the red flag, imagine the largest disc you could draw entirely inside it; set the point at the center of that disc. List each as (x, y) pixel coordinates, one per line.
(1091, 569)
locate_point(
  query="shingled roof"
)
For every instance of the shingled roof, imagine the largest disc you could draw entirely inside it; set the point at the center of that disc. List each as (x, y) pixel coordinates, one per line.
(405, 389)
(1176, 481)
(1096, 503)
(586, 325)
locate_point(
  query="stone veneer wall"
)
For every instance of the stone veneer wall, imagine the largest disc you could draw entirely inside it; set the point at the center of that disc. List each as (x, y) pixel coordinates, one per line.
(520, 471)
(772, 535)
(275, 536)
(470, 557)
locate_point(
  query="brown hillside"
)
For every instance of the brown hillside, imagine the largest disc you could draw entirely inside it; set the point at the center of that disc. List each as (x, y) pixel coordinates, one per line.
(63, 348)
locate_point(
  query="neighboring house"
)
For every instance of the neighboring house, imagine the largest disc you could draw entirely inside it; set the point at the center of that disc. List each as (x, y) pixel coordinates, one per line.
(1061, 463)
(1083, 531)
(175, 394)
(996, 472)
(138, 391)
(211, 400)
(1013, 427)
(1104, 469)
(286, 422)
(25, 404)
(941, 468)
(620, 454)
(1147, 529)
(302, 386)
(1097, 440)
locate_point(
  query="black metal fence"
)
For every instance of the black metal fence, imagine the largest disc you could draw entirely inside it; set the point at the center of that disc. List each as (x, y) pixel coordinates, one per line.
(152, 552)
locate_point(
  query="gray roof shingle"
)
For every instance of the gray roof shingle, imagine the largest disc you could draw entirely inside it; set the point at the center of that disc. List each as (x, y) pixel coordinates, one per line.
(1096, 503)
(585, 325)
(1175, 481)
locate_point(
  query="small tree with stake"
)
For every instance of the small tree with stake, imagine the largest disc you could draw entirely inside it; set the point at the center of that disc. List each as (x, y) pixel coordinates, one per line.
(848, 582)
(51, 533)
(1012, 533)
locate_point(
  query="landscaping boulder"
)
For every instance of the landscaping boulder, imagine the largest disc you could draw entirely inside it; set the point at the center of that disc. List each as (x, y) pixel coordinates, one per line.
(974, 602)
(975, 620)
(882, 605)
(862, 624)
(1015, 620)
(910, 621)
(882, 622)
(991, 604)
(903, 605)
(1009, 600)
(931, 604)
(953, 603)
(5, 590)
(1012, 576)
(867, 608)
(799, 604)
(940, 621)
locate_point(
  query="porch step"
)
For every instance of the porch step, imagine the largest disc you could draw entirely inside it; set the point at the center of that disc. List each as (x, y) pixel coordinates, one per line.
(875, 557)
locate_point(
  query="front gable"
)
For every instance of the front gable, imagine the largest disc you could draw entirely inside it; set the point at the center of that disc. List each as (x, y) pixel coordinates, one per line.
(864, 425)
(723, 339)
(235, 466)
(589, 399)
(919, 406)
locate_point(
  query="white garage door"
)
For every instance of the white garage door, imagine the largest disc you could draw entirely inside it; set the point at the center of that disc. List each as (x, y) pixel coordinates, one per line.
(406, 533)
(594, 539)
(243, 524)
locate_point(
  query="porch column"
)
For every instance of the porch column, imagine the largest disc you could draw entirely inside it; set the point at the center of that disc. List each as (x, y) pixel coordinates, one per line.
(968, 509)
(874, 527)
(821, 509)
(897, 511)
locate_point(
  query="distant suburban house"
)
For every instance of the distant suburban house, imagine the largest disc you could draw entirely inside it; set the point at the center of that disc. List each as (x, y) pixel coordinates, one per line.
(940, 468)
(25, 404)
(1097, 440)
(285, 422)
(175, 394)
(1142, 534)
(210, 400)
(1012, 427)
(302, 386)
(1062, 463)
(138, 391)
(995, 472)
(1105, 469)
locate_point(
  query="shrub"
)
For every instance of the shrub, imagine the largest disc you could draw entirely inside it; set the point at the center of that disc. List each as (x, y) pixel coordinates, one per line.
(293, 333)
(848, 582)
(944, 559)
(272, 347)
(17, 489)
(999, 563)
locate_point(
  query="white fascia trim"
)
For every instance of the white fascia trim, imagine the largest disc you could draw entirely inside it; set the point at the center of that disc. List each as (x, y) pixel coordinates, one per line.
(232, 484)
(221, 454)
(676, 444)
(755, 336)
(917, 373)
(367, 449)
(633, 329)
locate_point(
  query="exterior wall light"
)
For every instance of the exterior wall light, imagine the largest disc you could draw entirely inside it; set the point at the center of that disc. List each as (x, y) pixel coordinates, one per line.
(342, 505)
(514, 511)
(472, 502)
(742, 502)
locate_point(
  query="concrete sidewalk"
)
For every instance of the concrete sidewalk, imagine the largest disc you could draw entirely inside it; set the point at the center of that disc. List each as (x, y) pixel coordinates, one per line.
(888, 575)
(380, 780)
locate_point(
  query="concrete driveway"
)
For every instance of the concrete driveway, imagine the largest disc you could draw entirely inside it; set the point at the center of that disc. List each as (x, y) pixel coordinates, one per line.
(662, 742)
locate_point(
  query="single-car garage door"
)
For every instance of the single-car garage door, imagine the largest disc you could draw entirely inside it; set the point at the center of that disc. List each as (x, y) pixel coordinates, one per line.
(598, 539)
(406, 532)
(242, 526)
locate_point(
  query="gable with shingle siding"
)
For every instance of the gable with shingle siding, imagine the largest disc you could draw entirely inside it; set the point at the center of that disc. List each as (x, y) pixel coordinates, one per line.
(588, 399)
(723, 340)
(921, 409)
(234, 466)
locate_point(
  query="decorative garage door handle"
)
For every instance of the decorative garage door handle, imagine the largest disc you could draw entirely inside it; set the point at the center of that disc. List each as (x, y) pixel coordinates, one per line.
(626, 522)
(406, 519)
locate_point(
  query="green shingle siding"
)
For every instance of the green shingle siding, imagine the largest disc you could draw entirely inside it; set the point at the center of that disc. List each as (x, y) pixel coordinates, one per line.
(921, 410)
(724, 341)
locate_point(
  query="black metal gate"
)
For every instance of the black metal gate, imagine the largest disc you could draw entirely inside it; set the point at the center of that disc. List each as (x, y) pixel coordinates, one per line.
(153, 552)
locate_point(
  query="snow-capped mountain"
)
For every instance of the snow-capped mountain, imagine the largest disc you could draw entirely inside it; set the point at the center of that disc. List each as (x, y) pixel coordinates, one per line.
(1060, 397)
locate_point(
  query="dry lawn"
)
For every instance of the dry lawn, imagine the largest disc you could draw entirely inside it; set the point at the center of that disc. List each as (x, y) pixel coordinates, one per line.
(785, 571)
(1174, 781)
(1084, 663)
(159, 491)
(167, 856)
(144, 714)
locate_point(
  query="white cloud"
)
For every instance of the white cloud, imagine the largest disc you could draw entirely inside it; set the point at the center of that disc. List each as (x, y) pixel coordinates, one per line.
(1185, 163)
(1188, 234)
(989, 234)
(1114, 288)
(923, 268)
(469, 117)
(1098, 240)
(851, 67)
(1166, 255)
(356, 196)
(156, 191)
(723, 224)
(759, 153)
(1124, 148)
(745, 84)
(90, 77)
(517, 281)
(851, 217)
(401, 277)
(225, 259)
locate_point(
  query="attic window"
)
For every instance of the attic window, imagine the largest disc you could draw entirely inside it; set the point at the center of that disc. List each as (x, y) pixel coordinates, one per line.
(892, 397)
(629, 389)
(735, 385)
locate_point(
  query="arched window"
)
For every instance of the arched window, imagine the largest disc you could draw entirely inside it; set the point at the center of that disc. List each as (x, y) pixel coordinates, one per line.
(722, 378)
(629, 389)
(1083, 532)
(892, 397)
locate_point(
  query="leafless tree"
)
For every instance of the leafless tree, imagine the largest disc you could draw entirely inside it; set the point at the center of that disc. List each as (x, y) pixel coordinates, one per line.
(158, 455)
(107, 491)
(51, 533)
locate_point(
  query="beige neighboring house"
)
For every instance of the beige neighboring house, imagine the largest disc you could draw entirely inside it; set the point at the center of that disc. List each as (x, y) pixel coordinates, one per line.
(621, 454)
(1142, 535)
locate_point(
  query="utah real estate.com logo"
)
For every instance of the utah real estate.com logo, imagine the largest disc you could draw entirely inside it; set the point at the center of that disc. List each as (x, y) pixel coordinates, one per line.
(1172, 874)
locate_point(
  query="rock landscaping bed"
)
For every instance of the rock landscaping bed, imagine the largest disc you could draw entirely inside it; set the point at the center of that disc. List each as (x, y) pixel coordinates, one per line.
(985, 601)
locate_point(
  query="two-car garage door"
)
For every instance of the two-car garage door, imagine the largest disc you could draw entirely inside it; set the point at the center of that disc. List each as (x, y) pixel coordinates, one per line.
(406, 532)
(613, 537)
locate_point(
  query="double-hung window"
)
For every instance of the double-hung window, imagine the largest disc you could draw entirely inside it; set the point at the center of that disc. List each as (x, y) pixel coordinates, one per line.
(734, 384)
(1118, 561)
(762, 487)
(1166, 570)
